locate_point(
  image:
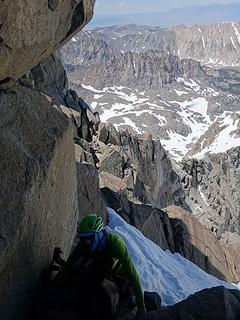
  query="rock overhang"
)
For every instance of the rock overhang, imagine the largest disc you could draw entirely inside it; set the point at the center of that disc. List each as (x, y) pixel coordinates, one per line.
(33, 29)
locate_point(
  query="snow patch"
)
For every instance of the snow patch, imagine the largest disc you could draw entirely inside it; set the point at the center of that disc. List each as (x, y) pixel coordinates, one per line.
(97, 96)
(233, 44)
(199, 105)
(203, 42)
(130, 123)
(180, 93)
(225, 140)
(172, 276)
(202, 195)
(177, 143)
(236, 32)
(91, 88)
(94, 104)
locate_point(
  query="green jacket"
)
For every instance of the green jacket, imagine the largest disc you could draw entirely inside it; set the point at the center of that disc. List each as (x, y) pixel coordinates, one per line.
(114, 258)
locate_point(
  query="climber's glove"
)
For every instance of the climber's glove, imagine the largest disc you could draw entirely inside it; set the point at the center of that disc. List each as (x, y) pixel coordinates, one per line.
(57, 257)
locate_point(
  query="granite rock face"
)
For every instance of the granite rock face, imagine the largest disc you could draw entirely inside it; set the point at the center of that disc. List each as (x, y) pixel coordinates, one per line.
(49, 78)
(211, 186)
(38, 202)
(142, 163)
(130, 69)
(89, 197)
(32, 30)
(198, 244)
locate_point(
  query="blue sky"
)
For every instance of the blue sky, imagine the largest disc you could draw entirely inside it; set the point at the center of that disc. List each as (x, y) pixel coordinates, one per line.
(156, 12)
(117, 7)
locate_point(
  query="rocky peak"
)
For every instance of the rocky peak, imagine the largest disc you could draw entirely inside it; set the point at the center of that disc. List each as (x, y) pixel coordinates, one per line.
(215, 44)
(143, 164)
(212, 192)
(147, 71)
(100, 50)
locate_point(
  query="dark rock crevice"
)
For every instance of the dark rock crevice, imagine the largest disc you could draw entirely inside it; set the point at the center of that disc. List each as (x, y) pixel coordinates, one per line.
(52, 4)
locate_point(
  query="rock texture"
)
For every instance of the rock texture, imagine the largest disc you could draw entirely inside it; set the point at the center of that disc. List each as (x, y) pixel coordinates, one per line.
(137, 69)
(89, 198)
(198, 244)
(152, 222)
(216, 44)
(215, 303)
(142, 163)
(49, 78)
(212, 188)
(38, 201)
(32, 30)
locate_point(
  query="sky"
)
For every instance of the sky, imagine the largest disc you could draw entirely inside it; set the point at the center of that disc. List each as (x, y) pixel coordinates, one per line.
(158, 12)
(172, 276)
(117, 7)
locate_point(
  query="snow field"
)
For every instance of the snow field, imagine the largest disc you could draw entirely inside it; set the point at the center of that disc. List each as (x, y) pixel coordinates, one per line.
(172, 276)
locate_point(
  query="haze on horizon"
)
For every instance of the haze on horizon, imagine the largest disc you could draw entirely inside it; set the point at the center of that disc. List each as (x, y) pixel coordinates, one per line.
(164, 13)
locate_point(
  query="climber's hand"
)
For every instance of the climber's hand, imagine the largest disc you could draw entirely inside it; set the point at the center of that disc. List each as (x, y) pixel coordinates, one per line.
(57, 256)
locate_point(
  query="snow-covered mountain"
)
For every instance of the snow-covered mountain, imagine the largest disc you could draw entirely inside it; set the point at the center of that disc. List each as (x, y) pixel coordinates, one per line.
(173, 277)
(216, 44)
(183, 125)
(134, 77)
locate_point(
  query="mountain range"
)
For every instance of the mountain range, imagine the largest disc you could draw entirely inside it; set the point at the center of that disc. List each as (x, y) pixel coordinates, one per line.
(181, 84)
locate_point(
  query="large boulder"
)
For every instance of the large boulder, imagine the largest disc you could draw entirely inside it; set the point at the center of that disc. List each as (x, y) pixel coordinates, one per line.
(215, 303)
(112, 182)
(107, 133)
(152, 301)
(112, 162)
(198, 244)
(31, 30)
(38, 192)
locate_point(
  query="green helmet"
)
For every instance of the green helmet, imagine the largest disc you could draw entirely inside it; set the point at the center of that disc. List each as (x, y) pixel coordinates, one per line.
(90, 224)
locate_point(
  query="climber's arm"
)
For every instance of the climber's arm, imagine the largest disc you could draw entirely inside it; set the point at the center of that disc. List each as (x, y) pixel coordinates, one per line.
(121, 252)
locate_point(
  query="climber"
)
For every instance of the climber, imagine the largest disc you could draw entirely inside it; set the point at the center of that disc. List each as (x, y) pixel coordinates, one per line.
(103, 255)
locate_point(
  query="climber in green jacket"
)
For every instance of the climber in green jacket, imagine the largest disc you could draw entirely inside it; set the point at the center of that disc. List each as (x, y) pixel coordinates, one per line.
(105, 254)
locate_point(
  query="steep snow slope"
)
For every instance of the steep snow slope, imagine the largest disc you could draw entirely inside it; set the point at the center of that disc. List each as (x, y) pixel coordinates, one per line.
(173, 277)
